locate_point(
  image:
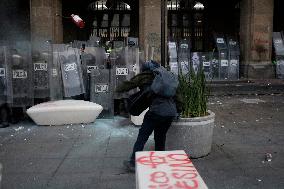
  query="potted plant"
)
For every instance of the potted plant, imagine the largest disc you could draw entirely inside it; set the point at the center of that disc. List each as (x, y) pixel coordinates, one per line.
(193, 130)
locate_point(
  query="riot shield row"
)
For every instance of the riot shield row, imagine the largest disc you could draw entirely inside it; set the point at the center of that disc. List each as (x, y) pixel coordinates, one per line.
(16, 77)
(58, 71)
(119, 66)
(222, 64)
(229, 57)
(279, 54)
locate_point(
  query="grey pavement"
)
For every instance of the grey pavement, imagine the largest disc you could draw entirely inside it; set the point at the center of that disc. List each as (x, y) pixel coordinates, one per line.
(90, 156)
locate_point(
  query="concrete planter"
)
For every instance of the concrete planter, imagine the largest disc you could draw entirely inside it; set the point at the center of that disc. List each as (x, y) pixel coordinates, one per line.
(193, 135)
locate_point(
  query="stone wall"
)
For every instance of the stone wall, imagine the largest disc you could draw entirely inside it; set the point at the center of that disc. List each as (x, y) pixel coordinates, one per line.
(45, 25)
(150, 27)
(256, 27)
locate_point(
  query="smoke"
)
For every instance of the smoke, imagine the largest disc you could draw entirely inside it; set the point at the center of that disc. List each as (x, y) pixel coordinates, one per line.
(14, 20)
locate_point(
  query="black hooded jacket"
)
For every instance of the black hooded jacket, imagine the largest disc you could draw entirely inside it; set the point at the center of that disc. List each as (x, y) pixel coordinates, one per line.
(162, 106)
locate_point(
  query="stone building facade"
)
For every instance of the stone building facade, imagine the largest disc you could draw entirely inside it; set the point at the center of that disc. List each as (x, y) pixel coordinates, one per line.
(255, 27)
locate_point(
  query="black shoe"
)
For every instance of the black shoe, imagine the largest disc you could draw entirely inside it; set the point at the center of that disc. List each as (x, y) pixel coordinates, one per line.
(129, 165)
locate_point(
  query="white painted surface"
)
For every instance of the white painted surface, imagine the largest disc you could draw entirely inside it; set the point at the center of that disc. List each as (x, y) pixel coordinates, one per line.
(166, 169)
(64, 112)
(138, 120)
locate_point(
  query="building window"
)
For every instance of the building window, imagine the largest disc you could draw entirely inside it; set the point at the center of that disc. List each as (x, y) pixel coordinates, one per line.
(185, 20)
(111, 21)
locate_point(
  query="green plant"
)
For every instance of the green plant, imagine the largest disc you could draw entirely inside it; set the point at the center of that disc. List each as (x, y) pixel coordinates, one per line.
(194, 93)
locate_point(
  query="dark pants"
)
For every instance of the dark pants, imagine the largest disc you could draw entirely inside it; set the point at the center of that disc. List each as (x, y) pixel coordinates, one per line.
(156, 123)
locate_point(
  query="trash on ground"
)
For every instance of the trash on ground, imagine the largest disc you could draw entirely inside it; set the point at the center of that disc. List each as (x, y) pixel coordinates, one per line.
(19, 128)
(268, 157)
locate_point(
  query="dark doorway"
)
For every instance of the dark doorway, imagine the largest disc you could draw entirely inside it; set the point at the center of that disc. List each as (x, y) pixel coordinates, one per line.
(278, 24)
(108, 19)
(199, 20)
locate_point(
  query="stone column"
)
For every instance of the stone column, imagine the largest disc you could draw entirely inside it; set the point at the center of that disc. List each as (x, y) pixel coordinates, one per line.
(45, 25)
(256, 27)
(150, 27)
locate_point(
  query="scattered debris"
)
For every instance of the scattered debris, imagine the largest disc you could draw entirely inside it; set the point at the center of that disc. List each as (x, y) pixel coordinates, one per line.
(220, 103)
(268, 157)
(19, 128)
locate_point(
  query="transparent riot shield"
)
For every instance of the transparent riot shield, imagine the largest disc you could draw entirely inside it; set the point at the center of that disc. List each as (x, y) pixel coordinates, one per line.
(279, 52)
(184, 57)
(101, 91)
(5, 78)
(92, 58)
(234, 58)
(118, 45)
(42, 60)
(78, 44)
(224, 65)
(223, 56)
(93, 41)
(22, 75)
(56, 83)
(196, 61)
(206, 63)
(122, 69)
(173, 58)
(133, 60)
(71, 72)
(140, 59)
(215, 66)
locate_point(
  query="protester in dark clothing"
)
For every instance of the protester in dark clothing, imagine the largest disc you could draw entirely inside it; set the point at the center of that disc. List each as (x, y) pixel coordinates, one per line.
(159, 117)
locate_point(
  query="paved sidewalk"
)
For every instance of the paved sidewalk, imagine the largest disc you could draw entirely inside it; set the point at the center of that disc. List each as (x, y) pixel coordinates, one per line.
(90, 156)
